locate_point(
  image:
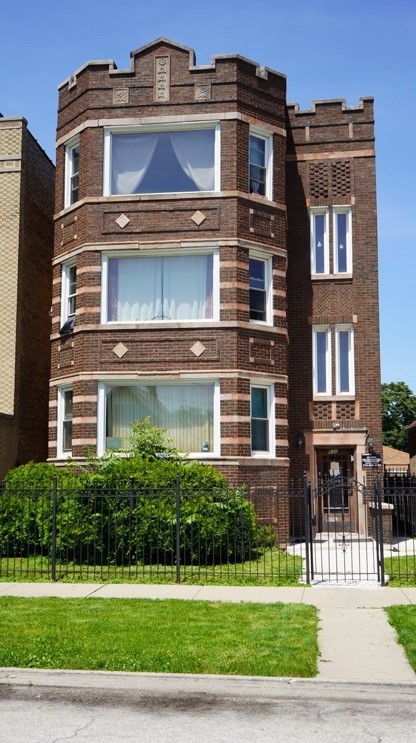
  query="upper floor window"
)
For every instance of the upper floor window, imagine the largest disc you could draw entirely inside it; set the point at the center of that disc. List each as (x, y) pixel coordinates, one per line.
(160, 287)
(259, 286)
(323, 260)
(71, 172)
(344, 360)
(260, 158)
(342, 253)
(161, 160)
(68, 297)
(319, 241)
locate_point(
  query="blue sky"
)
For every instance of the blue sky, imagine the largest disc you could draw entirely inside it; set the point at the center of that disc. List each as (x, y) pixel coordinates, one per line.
(325, 48)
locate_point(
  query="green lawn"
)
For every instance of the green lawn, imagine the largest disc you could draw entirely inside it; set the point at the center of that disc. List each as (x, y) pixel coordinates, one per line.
(273, 568)
(401, 570)
(403, 619)
(159, 636)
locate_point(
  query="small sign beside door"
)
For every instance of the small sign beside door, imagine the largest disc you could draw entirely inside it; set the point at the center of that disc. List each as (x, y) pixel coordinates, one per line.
(370, 460)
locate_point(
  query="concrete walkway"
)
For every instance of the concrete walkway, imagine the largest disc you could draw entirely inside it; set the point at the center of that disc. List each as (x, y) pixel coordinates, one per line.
(357, 643)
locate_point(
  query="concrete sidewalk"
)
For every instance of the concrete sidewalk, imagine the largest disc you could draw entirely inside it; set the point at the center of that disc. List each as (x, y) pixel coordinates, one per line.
(355, 639)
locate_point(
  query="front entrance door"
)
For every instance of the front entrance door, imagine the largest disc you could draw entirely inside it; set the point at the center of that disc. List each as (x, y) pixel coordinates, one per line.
(337, 501)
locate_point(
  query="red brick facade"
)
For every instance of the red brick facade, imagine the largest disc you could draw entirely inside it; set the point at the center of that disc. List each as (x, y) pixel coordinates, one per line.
(164, 88)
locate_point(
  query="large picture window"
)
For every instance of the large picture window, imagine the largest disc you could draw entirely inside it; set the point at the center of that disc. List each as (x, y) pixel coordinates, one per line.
(161, 161)
(185, 411)
(158, 288)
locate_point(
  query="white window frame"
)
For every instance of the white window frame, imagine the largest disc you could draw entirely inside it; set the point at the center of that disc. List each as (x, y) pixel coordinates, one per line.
(65, 291)
(268, 281)
(351, 366)
(149, 128)
(61, 453)
(271, 451)
(317, 329)
(268, 155)
(314, 212)
(69, 174)
(337, 210)
(101, 411)
(155, 254)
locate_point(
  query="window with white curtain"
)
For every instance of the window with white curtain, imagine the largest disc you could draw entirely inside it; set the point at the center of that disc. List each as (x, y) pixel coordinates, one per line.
(159, 288)
(323, 353)
(185, 411)
(161, 161)
(331, 240)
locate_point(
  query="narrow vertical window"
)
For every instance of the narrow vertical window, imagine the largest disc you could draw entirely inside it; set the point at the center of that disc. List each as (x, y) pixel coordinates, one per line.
(260, 419)
(257, 285)
(322, 361)
(345, 360)
(68, 297)
(65, 416)
(72, 173)
(342, 241)
(319, 243)
(257, 165)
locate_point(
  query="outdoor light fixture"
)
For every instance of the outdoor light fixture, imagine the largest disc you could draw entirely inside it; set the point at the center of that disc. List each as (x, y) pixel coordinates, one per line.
(370, 444)
(300, 440)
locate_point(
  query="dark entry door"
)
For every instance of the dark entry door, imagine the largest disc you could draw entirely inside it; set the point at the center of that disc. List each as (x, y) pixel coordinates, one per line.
(335, 476)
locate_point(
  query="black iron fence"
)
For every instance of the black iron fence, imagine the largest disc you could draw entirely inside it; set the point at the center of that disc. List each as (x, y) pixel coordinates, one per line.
(251, 536)
(150, 535)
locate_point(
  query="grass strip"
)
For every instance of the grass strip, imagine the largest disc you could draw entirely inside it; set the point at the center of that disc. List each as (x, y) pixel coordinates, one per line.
(403, 619)
(169, 636)
(273, 568)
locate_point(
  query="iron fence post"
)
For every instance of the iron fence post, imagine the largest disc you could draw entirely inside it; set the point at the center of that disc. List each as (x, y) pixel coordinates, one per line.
(379, 530)
(178, 530)
(307, 526)
(53, 535)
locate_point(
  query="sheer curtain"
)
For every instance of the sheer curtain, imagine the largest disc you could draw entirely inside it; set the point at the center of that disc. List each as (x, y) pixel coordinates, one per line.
(184, 411)
(195, 153)
(160, 288)
(130, 159)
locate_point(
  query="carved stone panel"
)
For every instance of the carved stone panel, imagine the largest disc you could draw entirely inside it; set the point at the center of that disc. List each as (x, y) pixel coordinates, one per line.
(162, 79)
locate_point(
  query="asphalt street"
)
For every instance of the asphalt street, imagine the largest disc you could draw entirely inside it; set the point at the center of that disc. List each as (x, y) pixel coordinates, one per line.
(58, 707)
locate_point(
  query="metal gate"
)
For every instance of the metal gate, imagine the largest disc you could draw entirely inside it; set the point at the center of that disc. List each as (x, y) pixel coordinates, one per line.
(343, 524)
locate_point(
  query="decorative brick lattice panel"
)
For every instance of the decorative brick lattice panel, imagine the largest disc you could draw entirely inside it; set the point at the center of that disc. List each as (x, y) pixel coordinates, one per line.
(322, 411)
(346, 411)
(341, 178)
(319, 180)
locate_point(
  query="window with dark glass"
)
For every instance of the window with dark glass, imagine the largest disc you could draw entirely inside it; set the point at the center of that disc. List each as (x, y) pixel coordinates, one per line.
(259, 419)
(67, 421)
(257, 286)
(257, 165)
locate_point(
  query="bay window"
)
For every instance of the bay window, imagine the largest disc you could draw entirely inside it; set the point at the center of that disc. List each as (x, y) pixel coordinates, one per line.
(160, 287)
(185, 411)
(161, 160)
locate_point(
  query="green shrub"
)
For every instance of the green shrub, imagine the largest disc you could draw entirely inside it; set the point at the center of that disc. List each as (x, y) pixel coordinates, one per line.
(124, 511)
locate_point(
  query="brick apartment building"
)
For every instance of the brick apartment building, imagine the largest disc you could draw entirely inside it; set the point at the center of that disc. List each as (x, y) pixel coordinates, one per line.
(215, 267)
(26, 247)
